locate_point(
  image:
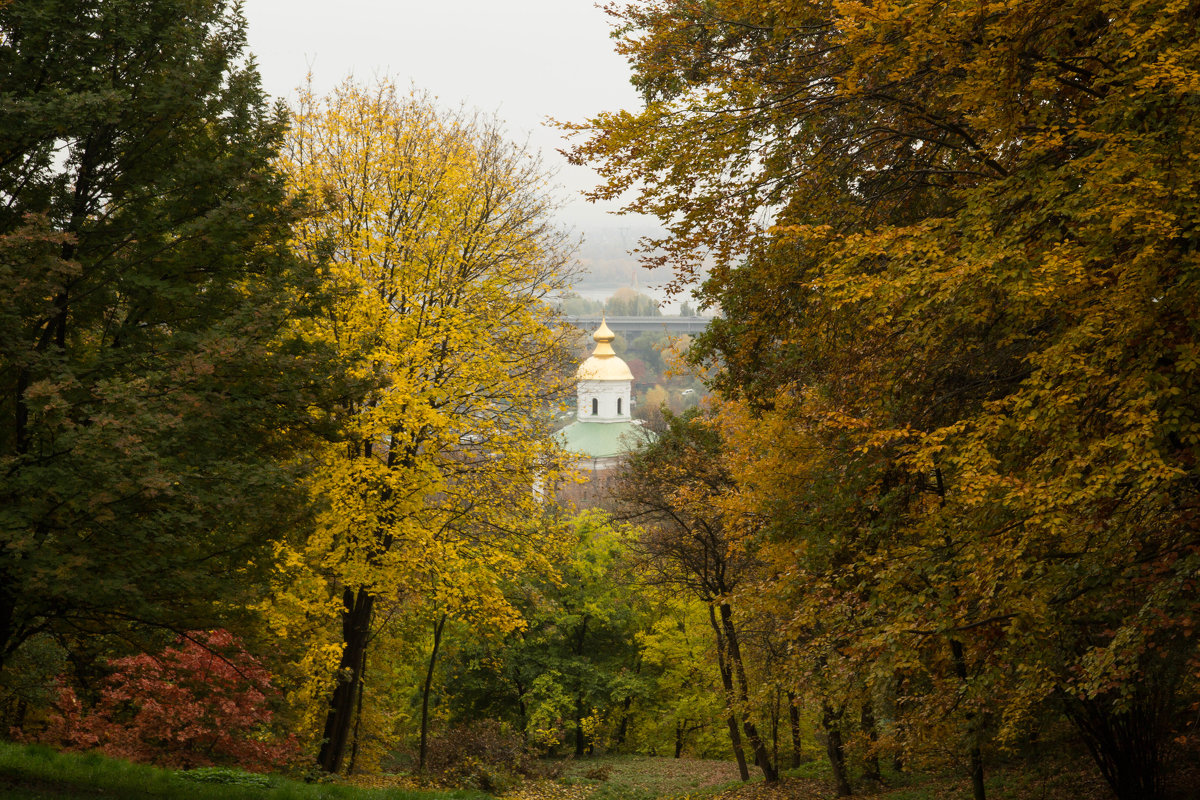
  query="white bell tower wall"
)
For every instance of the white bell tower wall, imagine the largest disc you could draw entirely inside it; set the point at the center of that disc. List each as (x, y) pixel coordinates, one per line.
(611, 401)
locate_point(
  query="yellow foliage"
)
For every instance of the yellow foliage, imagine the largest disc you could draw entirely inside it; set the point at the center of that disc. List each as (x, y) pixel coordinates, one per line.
(438, 257)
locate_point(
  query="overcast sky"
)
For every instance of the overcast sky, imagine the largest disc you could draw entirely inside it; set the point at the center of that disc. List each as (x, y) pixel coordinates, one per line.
(525, 60)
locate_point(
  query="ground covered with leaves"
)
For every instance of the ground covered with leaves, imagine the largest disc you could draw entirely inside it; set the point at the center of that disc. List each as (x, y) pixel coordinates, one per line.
(644, 778)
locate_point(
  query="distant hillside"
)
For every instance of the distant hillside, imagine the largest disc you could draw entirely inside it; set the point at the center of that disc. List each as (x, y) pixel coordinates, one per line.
(607, 262)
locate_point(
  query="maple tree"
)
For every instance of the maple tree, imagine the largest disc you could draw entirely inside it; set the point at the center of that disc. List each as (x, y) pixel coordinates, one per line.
(957, 244)
(440, 256)
(201, 701)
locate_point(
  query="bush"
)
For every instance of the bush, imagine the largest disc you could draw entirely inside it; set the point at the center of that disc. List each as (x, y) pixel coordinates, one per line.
(485, 755)
(225, 775)
(200, 702)
(600, 773)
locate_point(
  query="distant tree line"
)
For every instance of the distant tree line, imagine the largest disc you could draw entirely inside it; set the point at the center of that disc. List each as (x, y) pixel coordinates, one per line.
(624, 302)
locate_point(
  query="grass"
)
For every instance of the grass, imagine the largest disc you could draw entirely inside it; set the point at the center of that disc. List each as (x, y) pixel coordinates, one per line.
(34, 772)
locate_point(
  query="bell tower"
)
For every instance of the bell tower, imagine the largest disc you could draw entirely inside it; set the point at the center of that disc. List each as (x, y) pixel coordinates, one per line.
(604, 382)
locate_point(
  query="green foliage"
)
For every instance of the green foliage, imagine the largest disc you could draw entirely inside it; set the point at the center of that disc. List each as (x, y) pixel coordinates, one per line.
(574, 305)
(682, 703)
(29, 674)
(152, 395)
(548, 707)
(227, 776)
(572, 675)
(650, 347)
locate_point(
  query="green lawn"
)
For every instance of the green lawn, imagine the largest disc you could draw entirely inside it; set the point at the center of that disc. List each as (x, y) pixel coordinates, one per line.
(33, 772)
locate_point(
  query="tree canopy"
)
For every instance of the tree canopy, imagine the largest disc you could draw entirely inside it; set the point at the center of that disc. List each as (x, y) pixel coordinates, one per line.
(152, 397)
(956, 246)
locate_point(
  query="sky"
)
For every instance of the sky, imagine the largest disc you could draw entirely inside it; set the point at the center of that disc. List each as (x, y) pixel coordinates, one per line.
(524, 60)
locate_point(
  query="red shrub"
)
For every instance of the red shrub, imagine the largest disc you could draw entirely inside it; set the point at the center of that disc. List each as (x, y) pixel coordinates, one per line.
(200, 702)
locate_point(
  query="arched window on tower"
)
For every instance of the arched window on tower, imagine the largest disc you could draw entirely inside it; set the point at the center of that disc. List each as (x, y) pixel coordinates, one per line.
(595, 406)
(618, 406)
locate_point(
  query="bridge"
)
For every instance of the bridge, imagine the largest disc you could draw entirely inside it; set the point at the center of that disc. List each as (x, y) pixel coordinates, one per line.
(673, 326)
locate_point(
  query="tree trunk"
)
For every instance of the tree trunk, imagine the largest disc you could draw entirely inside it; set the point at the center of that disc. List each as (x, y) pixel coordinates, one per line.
(775, 727)
(835, 749)
(356, 622)
(623, 727)
(899, 733)
(680, 729)
(1125, 745)
(521, 706)
(871, 761)
(794, 724)
(579, 738)
(8, 613)
(761, 757)
(974, 754)
(358, 711)
(960, 670)
(735, 736)
(437, 639)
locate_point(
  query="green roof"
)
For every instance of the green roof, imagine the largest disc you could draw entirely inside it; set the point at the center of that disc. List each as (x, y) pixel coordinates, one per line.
(602, 439)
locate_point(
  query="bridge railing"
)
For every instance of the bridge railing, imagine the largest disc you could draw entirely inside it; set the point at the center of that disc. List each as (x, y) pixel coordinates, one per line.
(672, 325)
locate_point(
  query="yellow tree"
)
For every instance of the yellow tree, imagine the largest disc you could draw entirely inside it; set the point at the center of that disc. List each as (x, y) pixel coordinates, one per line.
(438, 250)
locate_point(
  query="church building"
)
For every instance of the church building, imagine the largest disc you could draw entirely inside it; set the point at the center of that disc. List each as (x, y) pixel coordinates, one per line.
(603, 430)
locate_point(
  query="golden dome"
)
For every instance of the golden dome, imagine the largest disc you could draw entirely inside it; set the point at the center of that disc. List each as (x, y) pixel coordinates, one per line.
(604, 369)
(604, 364)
